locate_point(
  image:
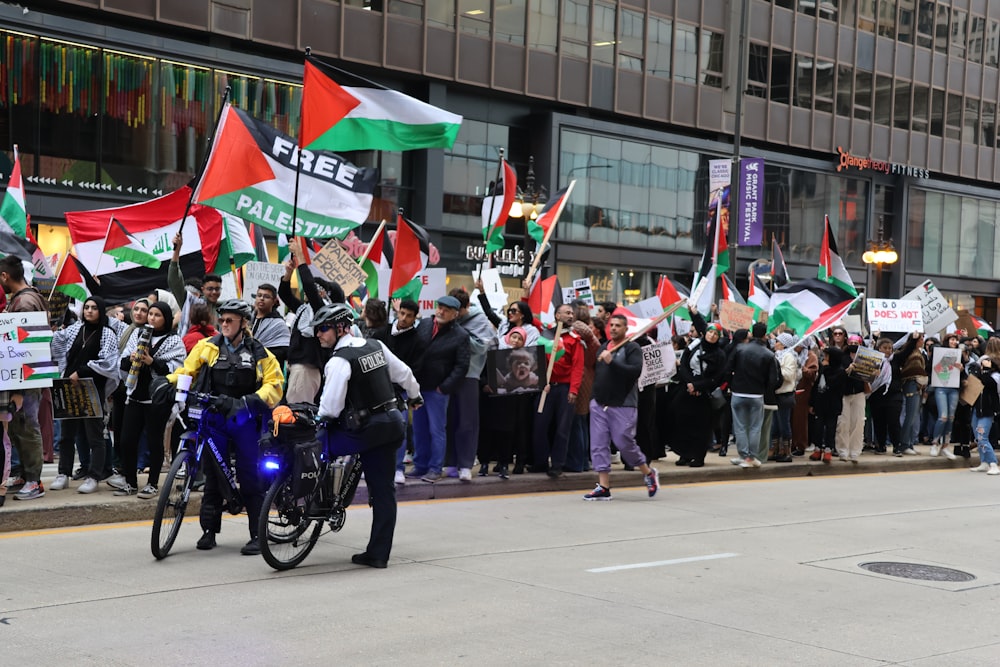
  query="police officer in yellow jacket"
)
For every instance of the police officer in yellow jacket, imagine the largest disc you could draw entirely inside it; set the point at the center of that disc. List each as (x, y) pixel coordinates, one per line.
(248, 382)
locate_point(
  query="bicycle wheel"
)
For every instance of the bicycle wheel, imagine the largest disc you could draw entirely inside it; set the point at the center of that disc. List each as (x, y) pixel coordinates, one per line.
(172, 504)
(287, 532)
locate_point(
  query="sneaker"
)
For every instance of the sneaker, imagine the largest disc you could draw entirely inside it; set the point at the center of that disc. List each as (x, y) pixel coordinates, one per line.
(400, 478)
(599, 493)
(465, 475)
(994, 470)
(79, 474)
(738, 460)
(416, 474)
(407, 458)
(910, 451)
(502, 472)
(30, 491)
(251, 548)
(59, 483)
(898, 453)
(652, 482)
(431, 476)
(89, 486)
(982, 467)
(750, 463)
(948, 452)
(14, 481)
(934, 449)
(126, 490)
(117, 481)
(844, 457)
(484, 470)
(816, 455)
(616, 458)
(827, 457)
(811, 448)
(450, 471)
(148, 491)
(206, 541)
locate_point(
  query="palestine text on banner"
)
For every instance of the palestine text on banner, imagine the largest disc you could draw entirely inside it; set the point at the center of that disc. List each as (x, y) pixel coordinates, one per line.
(25, 351)
(251, 173)
(337, 265)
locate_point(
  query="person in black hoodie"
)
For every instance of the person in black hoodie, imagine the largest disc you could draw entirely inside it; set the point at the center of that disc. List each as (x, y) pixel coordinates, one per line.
(983, 413)
(827, 401)
(701, 370)
(886, 400)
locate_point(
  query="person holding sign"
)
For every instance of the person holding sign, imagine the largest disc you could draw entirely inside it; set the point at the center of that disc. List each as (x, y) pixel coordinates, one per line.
(86, 349)
(947, 375)
(886, 400)
(983, 413)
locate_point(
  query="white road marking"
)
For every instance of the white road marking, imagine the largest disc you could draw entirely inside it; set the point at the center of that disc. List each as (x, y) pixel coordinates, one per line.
(658, 563)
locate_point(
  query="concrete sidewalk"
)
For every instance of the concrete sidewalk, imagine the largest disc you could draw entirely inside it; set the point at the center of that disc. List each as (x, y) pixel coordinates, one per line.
(68, 508)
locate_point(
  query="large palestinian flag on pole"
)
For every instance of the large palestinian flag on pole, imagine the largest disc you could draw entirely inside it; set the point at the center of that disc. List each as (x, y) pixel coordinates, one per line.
(496, 208)
(208, 235)
(413, 247)
(808, 306)
(338, 117)
(251, 173)
(831, 266)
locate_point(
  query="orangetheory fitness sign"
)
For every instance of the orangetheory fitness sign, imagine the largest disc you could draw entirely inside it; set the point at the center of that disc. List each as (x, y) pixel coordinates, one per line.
(848, 161)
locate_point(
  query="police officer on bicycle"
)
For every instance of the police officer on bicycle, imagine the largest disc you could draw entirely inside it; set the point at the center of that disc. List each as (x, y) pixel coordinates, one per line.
(247, 380)
(359, 404)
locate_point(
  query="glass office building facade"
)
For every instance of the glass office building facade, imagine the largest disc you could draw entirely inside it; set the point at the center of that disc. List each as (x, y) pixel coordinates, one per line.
(631, 99)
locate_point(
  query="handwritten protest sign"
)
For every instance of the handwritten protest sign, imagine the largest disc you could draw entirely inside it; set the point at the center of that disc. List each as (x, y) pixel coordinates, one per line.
(895, 315)
(583, 290)
(25, 354)
(735, 316)
(76, 400)
(934, 307)
(946, 370)
(659, 363)
(256, 274)
(867, 364)
(337, 265)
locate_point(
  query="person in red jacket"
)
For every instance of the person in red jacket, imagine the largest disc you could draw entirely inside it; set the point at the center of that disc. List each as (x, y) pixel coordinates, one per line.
(560, 400)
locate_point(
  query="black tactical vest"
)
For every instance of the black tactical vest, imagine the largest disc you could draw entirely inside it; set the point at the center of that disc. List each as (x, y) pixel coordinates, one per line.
(235, 374)
(370, 387)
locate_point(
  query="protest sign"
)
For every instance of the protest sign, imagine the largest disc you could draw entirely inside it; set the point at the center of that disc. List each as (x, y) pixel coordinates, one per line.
(434, 285)
(867, 364)
(659, 363)
(946, 370)
(338, 265)
(515, 371)
(76, 400)
(895, 315)
(651, 308)
(256, 274)
(25, 353)
(936, 312)
(735, 316)
(583, 290)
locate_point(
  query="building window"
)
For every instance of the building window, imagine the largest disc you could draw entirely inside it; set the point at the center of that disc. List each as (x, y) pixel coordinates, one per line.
(901, 106)
(474, 17)
(712, 54)
(942, 28)
(905, 27)
(757, 71)
(845, 92)
(866, 15)
(921, 108)
(469, 167)
(953, 117)
(863, 92)
(977, 38)
(576, 28)
(937, 112)
(686, 54)
(989, 133)
(883, 100)
(509, 21)
(543, 24)
(659, 45)
(604, 40)
(958, 34)
(952, 235)
(413, 9)
(992, 45)
(781, 76)
(630, 40)
(925, 23)
(970, 123)
(887, 19)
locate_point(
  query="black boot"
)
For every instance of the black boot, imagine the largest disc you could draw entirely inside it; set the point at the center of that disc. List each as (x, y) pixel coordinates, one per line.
(206, 541)
(724, 450)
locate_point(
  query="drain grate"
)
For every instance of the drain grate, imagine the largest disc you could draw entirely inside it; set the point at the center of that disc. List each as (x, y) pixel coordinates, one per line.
(917, 571)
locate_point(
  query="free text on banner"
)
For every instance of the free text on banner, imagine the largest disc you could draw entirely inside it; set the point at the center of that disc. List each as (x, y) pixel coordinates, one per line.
(25, 352)
(897, 315)
(337, 265)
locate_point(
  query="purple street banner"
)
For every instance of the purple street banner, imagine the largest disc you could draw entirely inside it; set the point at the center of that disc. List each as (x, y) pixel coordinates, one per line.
(750, 202)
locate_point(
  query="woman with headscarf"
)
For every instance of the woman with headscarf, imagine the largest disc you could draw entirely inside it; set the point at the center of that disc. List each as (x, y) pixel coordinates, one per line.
(701, 370)
(164, 355)
(802, 421)
(86, 349)
(140, 311)
(788, 361)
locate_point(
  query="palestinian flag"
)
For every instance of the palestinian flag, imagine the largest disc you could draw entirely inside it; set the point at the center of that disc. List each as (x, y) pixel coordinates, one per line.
(34, 333)
(720, 247)
(708, 270)
(256, 235)
(154, 223)
(539, 227)
(547, 339)
(236, 248)
(809, 306)
(379, 259)
(831, 266)
(409, 259)
(729, 291)
(252, 170)
(544, 299)
(635, 323)
(75, 280)
(343, 118)
(983, 327)
(496, 208)
(124, 247)
(779, 272)
(759, 296)
(39, 372)
(307, 248)
(15, 223)
(669, 293)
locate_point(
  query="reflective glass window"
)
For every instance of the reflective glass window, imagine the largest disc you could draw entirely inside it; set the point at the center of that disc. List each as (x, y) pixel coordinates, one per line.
(509, 19)
(604, 39)
(576, 28)
(474, 17)
(825, 75)
(942, 28)
(953, 117)
(845, 90)
(901, 105)
(906, 25)
(631, 31)
(469, 167)
(883, 100)
(781, 76)
(712, 53)
(958, 33)
(757, 68)
(991, 47)
(686, 54)
(925, 23)
(659, 47)
(921, 108)
(543, 24)
(803, 81)
(937, 112)
(863, 94)
(414, 9)
(867, 19)
(977, 38)
(970, 122)
(887, 18)
(988, 136)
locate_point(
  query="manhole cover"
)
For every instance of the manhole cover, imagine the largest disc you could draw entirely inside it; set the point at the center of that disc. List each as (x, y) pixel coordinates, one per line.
(918, 571)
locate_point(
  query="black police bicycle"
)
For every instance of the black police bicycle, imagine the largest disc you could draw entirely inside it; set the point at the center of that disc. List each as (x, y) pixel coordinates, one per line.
(311, 491)
(175, 492)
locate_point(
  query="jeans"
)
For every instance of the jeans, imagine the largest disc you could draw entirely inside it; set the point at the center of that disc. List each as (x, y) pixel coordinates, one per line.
(911, 414)
(748, 417)
(981, 429)
(430, 432)
(26, 435)
(947, 402)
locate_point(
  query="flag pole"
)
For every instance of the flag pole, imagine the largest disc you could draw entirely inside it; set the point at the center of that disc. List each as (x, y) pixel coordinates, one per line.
(670, 310)
(368, 250)
(552, 362)
(59, 275)
(204, 160)
(548, 233)
(493, 203)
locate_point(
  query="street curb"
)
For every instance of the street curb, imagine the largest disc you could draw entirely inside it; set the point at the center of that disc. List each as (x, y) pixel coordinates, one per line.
(44, 514)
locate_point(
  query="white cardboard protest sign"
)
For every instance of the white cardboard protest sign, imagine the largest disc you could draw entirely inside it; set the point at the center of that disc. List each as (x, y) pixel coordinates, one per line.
(25, 351)
(934, 307)
(435, 286)
(895, 315)
(651, 308)
(583, 290)
(659, 363)
(256, 274)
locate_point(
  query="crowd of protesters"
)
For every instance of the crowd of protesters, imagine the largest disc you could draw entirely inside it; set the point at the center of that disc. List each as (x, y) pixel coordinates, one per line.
(771, 396)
